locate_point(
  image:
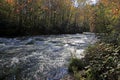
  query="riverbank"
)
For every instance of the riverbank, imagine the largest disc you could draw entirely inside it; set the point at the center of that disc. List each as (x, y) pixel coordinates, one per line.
(101, 60)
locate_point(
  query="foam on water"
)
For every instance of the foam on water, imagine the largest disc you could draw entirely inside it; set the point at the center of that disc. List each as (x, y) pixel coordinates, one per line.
(40, 57)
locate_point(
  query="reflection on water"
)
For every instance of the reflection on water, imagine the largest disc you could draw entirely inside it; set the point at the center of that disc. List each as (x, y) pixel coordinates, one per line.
(40, 57)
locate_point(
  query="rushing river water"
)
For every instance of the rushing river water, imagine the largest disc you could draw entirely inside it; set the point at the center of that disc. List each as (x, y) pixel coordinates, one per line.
(40, 57)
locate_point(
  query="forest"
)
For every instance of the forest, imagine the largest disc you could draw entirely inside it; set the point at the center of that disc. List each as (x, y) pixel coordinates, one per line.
(34, 17)
(26, 17)
(57, 17)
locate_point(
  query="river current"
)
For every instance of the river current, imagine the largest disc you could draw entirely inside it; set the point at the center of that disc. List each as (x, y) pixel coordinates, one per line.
(40, 57)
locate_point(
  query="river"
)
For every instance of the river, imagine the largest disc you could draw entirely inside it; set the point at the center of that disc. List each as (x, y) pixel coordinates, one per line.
(40, 57)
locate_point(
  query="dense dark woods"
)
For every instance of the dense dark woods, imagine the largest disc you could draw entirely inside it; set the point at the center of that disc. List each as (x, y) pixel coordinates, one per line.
(33, 17)
(29, 17)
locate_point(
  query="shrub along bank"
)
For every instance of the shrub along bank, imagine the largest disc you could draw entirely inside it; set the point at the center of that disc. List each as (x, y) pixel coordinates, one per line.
(101, 61)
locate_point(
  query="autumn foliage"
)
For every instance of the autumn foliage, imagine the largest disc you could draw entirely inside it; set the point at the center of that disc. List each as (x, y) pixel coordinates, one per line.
(58, 16)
